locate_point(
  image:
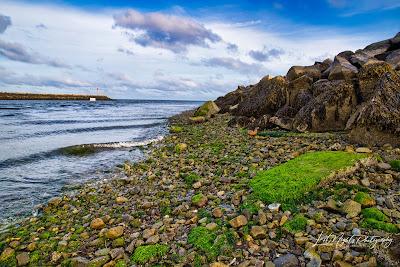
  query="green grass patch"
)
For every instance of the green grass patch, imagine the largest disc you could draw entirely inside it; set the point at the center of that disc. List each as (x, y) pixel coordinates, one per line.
(379, 225)
(79, 151)
(375, 219)
(209, 242)
(190, 178)
(297, 224)
(363, 198)
(289, 182)
(176, 129)
(395, 164)
(144, 254)
(215, 147)
(374, 213)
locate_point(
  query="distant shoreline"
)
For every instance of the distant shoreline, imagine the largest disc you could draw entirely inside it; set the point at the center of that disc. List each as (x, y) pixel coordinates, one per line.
(29, 96)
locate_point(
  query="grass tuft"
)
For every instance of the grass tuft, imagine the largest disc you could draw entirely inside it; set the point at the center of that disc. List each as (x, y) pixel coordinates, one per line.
(395, 164)
(297, 224)
(144, 254)
(374, 213)
(289, 182)
(379, 225)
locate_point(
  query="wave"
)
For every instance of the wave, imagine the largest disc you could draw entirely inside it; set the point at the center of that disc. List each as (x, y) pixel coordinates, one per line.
(87, 129)
(76, 150)
(52, 122)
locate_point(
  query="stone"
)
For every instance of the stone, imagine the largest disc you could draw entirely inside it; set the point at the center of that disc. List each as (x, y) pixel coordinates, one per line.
(274, 207)
(55, 201)
(356, 232)
(198, 119)
(97, 223)
(384, 166)
(197, 185)
(337, 255)
(238, 221)
(148, 232)
(117, 253)
(79, 262)
(342, 69)
(22, 259)
(102, 252)
(315, 259)
(363, 150)
(217, 213)
(180, 147)
(212, 226)
(341, 264)
(115, 232)
(208, 109)
(258, 232)
(287, 260)
(200, 200)
(218, 264)
(265, 98)
(31, 247)
(312, 72)
(56, 256)
(121, 200)
(330, 110)
(269, 264)
(351, 208)
(301, 240)
(99, 262)
(153, 239)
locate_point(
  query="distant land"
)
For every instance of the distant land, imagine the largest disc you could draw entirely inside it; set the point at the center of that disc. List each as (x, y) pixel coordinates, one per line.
(29, 96)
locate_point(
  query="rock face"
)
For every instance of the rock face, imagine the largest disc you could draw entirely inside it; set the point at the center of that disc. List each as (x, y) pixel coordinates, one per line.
(357, 91)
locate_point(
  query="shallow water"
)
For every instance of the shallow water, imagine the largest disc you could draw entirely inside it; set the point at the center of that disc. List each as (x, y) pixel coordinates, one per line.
(33, 133)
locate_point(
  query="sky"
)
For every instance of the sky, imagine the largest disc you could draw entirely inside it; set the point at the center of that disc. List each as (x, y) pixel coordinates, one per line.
(186, 50)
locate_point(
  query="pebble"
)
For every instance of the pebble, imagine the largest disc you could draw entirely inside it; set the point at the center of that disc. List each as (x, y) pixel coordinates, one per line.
(22, 259)
(258, 232)
(217, 213)
(238, 221)
(287, 260)
(97, 223)
(274, 207)
(115, 232)
(351, 208)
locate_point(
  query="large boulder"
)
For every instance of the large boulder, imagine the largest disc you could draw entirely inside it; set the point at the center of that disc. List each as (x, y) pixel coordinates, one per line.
(393, 58)
(377, 120)
(314, 72)
(208, 109)
(225, 103)
(329, 110)
(299, 92)
(342, 69)
(369, 76)
(266, 97)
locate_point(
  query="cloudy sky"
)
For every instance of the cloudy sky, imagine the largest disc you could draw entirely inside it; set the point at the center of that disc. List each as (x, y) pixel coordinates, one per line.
(176, 49)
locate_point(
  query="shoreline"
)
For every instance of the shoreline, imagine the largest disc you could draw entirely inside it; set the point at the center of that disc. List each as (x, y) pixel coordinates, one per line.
(194, 181)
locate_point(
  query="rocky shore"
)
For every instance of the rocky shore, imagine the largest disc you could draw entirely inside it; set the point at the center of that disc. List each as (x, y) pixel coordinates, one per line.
(194, 202)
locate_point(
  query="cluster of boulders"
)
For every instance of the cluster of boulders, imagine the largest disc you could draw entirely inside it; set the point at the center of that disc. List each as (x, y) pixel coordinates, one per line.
(357, 91)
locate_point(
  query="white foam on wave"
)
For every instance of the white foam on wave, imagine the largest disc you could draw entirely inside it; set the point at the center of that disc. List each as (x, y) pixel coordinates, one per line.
(127, 144)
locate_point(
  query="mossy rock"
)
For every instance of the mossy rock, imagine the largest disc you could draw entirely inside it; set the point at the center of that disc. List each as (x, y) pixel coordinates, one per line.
(379, 225)
(7, 258)
(289, 182)
(297, 224)
(209, 242)
(149, 253)
(395, 164)
(79, 151)
(364, 199)
(207, 109)
(374, 213)
(176, 129)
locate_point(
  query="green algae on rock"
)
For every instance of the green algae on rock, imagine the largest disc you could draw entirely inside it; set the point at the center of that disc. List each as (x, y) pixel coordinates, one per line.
(147, 253)
(287, 183)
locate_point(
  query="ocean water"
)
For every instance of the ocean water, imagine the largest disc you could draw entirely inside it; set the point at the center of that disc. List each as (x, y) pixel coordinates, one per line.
(33, 167)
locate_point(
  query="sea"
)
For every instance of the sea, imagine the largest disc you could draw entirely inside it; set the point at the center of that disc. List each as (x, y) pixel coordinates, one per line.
(37, 136)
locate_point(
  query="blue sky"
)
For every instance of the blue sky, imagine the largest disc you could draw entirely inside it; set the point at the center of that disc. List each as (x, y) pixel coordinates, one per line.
(176, 49)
